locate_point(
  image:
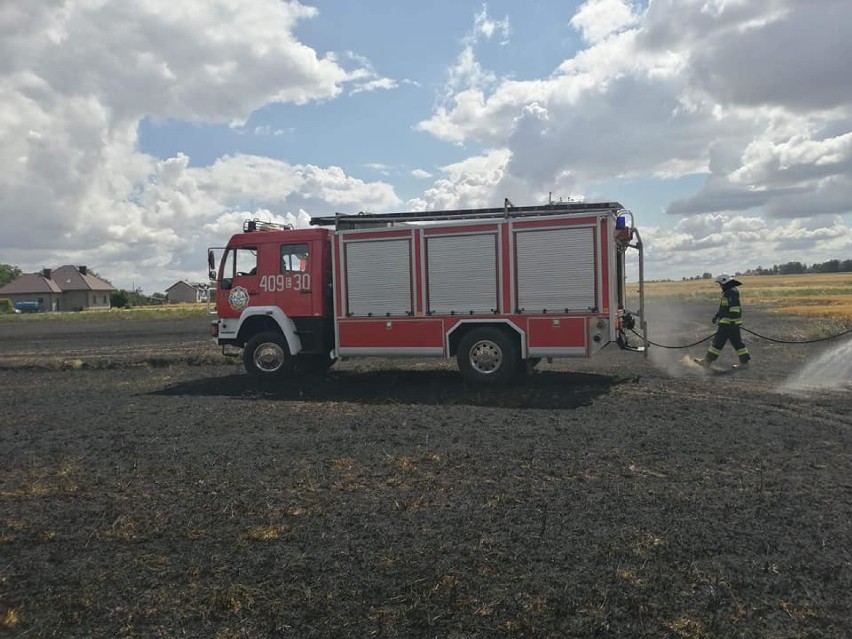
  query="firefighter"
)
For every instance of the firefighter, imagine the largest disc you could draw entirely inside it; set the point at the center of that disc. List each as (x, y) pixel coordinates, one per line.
(729, 318)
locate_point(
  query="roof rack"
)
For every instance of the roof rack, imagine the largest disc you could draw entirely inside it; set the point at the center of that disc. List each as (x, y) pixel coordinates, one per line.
(508, 210)
(250, 226)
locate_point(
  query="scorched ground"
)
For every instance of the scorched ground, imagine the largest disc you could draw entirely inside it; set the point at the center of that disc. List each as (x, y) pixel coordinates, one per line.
(158, 493)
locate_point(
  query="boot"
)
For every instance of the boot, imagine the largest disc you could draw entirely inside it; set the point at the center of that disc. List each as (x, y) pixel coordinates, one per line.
(741, 366)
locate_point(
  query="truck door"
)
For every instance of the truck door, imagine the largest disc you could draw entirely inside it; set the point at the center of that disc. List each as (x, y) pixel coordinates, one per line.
(238, 281)
(291, 278)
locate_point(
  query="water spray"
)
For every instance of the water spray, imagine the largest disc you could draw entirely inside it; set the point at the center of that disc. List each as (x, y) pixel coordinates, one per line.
(830, 371)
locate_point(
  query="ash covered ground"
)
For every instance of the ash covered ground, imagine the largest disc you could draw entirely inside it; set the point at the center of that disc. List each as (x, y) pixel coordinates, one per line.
(148, 488)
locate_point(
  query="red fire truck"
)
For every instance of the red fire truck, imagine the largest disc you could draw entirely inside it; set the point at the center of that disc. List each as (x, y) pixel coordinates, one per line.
(497, 288)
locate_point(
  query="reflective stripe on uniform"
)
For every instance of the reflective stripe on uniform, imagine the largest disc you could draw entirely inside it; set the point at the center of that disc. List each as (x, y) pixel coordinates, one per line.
(714, 351)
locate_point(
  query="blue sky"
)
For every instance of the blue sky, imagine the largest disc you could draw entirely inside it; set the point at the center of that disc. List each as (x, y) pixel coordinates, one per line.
(372, 134)
(141, 133)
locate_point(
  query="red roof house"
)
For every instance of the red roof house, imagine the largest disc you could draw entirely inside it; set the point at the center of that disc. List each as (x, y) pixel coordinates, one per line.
(67, 288)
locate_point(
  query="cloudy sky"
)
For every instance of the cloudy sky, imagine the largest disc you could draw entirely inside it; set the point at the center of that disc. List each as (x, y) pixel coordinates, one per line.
(133, 135)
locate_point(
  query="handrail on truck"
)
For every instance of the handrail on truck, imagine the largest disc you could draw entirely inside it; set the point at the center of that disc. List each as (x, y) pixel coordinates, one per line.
(508, 210)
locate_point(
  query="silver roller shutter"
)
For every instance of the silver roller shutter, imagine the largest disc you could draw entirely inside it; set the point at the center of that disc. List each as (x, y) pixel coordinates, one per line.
(462, 273)
(378, 277)
(556, 269)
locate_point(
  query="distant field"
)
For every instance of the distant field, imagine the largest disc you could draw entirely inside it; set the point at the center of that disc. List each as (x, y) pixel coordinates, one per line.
(166, 311)
(826, 295)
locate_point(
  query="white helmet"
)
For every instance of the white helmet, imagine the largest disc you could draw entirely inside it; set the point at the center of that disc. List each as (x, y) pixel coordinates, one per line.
(724, 279)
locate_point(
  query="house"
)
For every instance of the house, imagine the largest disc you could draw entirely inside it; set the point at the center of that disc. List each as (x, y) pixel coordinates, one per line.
(34, 287)
(67, 288)
(184, 291)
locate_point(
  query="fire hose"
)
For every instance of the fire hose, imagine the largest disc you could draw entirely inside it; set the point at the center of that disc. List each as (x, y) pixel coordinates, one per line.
(769, 339)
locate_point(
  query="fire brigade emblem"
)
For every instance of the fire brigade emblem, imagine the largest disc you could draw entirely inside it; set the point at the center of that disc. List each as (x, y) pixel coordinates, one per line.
(238, 298)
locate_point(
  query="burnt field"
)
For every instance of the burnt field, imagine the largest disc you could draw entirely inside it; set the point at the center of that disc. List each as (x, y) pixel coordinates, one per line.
(147, 488)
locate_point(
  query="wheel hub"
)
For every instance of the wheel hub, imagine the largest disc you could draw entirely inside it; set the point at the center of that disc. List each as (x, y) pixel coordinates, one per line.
(269, 357)
(486, 357)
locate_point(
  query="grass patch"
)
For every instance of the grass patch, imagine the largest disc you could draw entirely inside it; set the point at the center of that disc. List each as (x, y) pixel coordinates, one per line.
(108, 363)
(821, 328)
(165, 312)
(10, 618)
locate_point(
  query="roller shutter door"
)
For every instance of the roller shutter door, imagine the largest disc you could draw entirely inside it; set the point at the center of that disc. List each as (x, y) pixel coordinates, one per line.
(556, 270)
(378, 277)
(462, 271)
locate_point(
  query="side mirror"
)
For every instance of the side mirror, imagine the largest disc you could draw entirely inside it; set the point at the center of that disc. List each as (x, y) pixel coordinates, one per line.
(211, 262)
(211, 274)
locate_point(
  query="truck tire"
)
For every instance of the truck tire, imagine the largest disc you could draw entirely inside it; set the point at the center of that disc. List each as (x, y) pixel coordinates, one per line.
(267, 356)
(487, 356)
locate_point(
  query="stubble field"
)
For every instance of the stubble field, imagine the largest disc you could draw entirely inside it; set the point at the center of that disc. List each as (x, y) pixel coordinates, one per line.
(148, 489)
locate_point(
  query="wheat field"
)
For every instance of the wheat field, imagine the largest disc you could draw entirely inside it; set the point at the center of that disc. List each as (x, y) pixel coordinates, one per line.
(827, 295)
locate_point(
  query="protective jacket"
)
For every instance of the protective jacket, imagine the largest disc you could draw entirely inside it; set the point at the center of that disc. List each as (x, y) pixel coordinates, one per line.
(730, 311)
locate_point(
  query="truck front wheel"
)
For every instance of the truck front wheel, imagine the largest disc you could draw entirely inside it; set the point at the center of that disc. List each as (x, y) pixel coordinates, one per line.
(266, 356)
(487, 356)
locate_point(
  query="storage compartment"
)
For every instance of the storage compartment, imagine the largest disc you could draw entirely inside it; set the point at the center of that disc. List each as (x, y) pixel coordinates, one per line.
(556, 270)
(462, 272)
(378, 277)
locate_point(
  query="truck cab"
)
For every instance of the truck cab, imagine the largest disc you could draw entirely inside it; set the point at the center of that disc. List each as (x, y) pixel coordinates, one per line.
(273, 297)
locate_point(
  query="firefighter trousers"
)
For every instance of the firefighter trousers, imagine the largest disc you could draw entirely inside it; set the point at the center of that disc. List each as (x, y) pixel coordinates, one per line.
(728, 333)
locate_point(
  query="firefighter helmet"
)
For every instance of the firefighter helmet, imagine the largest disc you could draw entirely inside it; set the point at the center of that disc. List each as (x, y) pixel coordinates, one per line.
(724, 279)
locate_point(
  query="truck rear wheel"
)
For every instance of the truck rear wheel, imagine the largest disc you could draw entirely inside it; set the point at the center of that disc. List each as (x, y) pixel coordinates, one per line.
(267, 356)
(487, 356)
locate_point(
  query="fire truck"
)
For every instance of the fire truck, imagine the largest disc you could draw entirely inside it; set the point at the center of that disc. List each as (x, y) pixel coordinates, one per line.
(497, 288)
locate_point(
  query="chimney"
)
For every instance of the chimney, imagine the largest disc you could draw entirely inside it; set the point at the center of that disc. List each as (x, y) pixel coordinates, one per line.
(45, 273)
(83, 270)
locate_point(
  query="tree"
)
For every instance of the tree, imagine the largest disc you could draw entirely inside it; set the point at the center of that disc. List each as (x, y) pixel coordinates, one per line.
(791, 268)
(119, 299)
(832, 266)
(8, 273)
(92, 271)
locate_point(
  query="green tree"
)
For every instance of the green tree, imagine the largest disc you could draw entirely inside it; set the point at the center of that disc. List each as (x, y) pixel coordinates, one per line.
(119, 299)
(8, 273)
(791, 268)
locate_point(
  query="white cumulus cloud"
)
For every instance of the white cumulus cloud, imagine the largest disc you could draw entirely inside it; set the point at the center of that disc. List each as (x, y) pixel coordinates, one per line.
(78, 77)
(713, 88)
